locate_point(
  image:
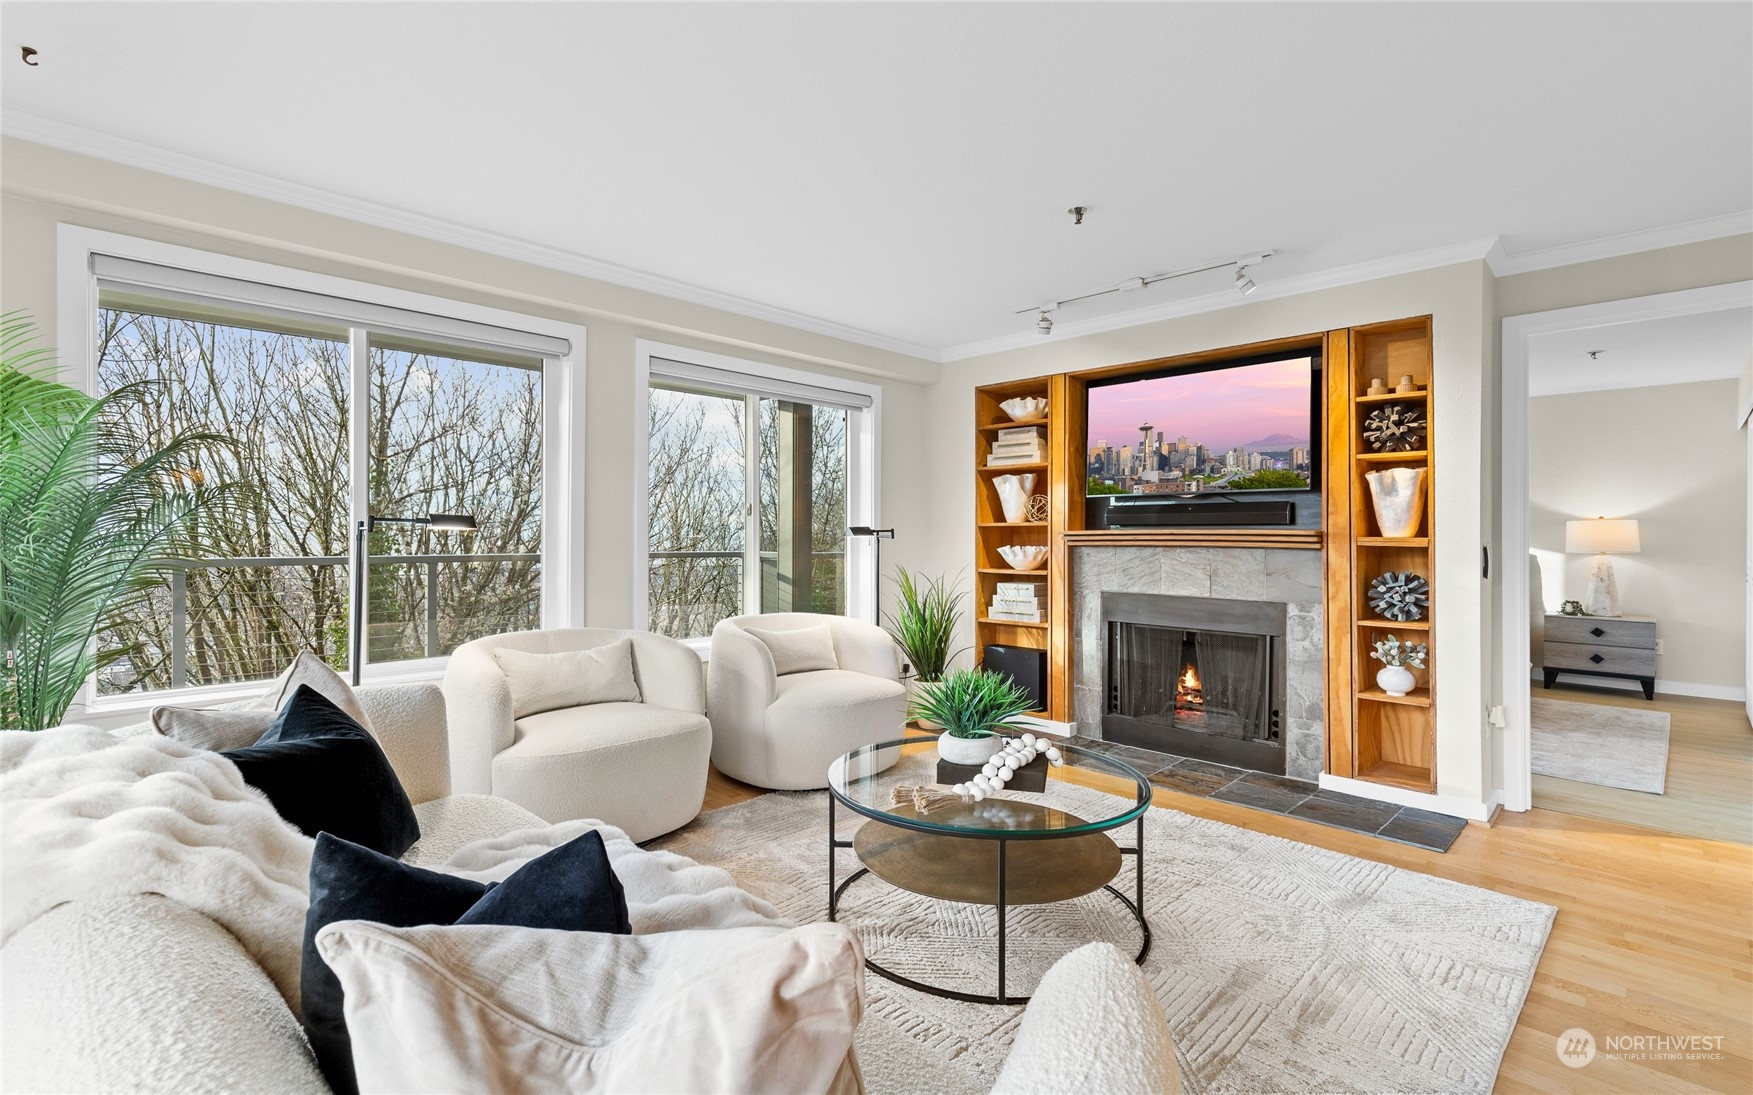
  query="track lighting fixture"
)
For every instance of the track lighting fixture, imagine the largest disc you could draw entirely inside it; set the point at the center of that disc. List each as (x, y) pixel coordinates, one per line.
(1244, 284)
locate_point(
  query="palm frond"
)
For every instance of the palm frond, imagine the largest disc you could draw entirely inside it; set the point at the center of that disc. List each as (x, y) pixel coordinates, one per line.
(87, 518)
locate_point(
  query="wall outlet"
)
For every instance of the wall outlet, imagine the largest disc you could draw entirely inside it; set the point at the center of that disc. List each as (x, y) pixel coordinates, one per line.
(1658, 646)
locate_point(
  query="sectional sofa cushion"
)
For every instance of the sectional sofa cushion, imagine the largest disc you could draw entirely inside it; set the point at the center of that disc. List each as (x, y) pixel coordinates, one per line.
(569, 888)
(324, 773)
(736, 1009)
(225, 728)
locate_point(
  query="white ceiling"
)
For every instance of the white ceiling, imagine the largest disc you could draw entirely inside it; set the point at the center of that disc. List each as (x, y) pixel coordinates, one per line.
(899, 173)
(1642, 354)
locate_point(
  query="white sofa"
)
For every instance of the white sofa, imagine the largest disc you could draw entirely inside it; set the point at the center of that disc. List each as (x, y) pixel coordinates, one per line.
(137, 992)
(782, 731)
(638, 766)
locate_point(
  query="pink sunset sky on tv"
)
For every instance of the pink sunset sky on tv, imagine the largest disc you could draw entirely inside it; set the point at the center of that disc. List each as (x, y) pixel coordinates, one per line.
(1221, 409)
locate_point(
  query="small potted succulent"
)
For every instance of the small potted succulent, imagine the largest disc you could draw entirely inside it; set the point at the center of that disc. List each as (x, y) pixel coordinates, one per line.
(1394, 678)
(972, 706)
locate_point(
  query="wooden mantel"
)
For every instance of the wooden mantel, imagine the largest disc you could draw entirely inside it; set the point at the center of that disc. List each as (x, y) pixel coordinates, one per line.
(1295, 539)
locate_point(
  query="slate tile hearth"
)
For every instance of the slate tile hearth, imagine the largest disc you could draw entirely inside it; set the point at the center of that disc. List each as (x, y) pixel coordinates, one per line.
(1282, 795)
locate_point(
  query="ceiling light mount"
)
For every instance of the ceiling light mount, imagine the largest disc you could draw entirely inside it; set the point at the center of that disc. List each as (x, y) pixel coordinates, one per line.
(1244, 283)
(1077, 212)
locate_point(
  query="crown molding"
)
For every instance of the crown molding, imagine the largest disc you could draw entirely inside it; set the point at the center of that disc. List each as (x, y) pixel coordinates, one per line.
(1375, 269)
(1650, 239)
(88, 142)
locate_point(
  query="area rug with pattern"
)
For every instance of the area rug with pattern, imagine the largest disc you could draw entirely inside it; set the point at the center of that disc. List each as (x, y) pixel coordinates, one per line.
(1281, 967)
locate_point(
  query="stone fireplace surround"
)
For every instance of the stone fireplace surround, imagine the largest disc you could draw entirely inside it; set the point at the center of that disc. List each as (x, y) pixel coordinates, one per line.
(1293, 577)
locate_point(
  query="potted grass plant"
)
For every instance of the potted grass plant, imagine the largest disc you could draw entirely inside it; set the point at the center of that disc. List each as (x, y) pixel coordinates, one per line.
(927, 613)
(973, 706)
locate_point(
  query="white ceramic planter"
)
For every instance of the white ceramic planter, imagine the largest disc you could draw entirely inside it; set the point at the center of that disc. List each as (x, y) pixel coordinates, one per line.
(1396, 680)
(1398, 494)
(975, 751)
(1013, 495)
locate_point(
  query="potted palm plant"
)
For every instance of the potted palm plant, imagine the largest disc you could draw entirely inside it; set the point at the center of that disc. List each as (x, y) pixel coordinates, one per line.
(88, 514)
(973, 706)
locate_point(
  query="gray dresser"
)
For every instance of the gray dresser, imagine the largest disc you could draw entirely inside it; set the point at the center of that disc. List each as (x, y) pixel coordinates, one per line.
(1601, 646)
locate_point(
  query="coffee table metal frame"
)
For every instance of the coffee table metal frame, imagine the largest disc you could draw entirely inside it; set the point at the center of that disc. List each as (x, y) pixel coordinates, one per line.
(1134, 905)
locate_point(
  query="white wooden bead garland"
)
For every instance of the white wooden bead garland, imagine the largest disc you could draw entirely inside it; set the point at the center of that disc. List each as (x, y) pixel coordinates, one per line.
(1004, 764)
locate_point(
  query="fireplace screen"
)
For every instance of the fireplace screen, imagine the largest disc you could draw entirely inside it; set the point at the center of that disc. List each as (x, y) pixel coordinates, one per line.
(1196, 677)
(1206, 681)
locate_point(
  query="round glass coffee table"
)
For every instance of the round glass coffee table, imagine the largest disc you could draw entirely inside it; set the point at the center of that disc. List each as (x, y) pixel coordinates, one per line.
(1014, 848)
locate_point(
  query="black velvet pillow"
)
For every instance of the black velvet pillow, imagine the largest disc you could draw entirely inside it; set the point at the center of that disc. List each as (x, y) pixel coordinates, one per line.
(570, 888)
(325, 773)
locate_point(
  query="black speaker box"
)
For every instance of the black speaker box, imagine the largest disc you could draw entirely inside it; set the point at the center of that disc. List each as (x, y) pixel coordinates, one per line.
(1023, 664)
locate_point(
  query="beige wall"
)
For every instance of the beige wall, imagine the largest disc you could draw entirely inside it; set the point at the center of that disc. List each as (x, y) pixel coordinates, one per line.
(41, 188)
(1457, 297)
(1672, 457)
(1666, 270)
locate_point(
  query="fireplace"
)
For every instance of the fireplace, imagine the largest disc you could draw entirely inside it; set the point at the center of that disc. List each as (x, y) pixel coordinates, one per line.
(1197, 677)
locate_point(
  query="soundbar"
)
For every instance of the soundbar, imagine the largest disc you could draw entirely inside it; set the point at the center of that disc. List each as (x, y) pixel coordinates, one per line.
(1116, 511)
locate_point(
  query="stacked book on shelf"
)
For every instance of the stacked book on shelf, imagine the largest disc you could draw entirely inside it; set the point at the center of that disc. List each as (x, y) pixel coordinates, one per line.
(1017, 602)
(1021, 445)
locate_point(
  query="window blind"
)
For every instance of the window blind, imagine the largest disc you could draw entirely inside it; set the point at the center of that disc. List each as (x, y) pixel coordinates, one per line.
(725, 380)
(197, 291)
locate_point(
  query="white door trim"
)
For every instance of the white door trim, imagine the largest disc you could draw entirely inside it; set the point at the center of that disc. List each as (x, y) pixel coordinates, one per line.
(1513, 517)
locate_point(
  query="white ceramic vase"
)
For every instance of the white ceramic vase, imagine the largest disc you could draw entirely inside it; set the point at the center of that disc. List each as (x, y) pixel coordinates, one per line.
(1398, 494)
(1013, 495)
(1396, 680)
(972, 751)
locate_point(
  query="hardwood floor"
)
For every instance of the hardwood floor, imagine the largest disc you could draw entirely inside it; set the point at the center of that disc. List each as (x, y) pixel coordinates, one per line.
(1710, 769)
(1654, 935)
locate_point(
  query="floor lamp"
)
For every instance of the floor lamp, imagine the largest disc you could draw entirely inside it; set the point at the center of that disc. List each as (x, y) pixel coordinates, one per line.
(443, 522)
(877, 536)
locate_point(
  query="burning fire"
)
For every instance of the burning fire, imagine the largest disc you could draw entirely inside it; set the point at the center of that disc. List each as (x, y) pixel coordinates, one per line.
(1187, 689)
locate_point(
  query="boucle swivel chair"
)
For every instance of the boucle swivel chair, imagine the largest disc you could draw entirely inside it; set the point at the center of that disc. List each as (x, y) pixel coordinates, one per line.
(582, 723)
(788, 692)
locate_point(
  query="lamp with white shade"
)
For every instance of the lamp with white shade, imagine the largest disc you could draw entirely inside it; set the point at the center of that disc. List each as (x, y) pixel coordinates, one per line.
(1602, 538)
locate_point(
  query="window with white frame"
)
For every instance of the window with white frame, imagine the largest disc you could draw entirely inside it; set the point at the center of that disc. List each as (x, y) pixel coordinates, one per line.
(339, 409)
(752, 478)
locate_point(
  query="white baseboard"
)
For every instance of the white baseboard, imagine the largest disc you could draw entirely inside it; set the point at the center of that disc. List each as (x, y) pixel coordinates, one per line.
(1672, 688)
(1399, 796)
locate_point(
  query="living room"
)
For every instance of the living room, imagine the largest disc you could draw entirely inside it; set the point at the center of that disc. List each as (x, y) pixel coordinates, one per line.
(784, 386)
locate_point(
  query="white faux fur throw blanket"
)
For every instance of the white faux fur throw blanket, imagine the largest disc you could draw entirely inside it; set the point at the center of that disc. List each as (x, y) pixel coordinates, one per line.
(85, 815)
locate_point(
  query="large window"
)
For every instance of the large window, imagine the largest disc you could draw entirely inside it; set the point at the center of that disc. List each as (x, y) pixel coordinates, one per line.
(333, 419)
(750, 486)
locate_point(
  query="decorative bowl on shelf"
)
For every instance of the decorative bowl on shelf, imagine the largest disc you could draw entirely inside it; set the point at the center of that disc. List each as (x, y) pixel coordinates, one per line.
(1023, 556)
(1023, 408)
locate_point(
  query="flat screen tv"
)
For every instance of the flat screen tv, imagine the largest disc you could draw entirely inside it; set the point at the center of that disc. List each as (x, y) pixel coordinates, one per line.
(1220, 428)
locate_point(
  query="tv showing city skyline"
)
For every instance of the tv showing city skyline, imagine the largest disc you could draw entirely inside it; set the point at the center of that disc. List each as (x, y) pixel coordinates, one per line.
(1232, 426)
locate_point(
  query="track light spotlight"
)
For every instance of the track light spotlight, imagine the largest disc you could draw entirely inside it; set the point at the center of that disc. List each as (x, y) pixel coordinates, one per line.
(1044, 324)
(1244, 283)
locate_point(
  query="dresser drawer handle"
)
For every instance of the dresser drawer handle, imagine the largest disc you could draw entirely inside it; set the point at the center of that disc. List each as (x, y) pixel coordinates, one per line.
(1596, 658)
(1596, 632)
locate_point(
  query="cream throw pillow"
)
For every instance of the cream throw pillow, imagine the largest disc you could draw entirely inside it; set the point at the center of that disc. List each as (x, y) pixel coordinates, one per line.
(502, 1009)
(219, 729)
(799, 650)
(573, 678)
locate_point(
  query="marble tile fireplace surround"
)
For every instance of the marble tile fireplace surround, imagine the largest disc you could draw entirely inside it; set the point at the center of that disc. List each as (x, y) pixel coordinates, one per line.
(1289, 577)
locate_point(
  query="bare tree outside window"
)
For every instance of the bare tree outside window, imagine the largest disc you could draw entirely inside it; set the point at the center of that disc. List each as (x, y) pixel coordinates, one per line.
(446, 434)
(698, 506)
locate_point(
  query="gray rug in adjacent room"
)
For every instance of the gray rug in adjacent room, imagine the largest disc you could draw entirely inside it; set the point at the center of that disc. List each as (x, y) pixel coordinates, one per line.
(1606, 746)
(1280, 966)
